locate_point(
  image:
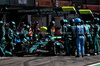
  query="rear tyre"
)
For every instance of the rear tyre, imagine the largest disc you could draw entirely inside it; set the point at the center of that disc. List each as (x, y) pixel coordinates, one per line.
(53, 49)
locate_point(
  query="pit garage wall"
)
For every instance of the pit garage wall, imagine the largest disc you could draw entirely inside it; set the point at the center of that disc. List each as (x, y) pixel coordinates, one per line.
(40, 20)
(58, 18)
(47, 19)
(68, 17)
(44, 20)
(71, 16)
(57, 21)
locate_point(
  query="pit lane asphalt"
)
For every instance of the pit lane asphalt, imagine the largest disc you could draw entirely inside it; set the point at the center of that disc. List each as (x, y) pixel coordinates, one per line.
(31, 60)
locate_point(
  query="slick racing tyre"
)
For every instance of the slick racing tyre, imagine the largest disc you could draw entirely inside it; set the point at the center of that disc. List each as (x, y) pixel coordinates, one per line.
(20, 54)
(54, 49)
(19, 50)
(62, 52)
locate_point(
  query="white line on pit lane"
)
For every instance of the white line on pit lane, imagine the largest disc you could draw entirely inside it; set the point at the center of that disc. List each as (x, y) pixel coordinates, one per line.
(95, 64)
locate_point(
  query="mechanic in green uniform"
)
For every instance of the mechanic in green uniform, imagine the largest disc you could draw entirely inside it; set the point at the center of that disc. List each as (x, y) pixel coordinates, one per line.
(72, 22)
(92, 34)
(23, 33)
(88, 38)
(26, 37)
(64, 28)
(50, 28)
(69, 33)
(36, 32)
(64, 23)
(96, 36)
(26, 31)
(10, 46)
(2, 39)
